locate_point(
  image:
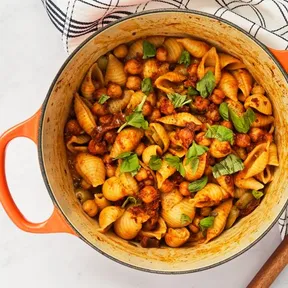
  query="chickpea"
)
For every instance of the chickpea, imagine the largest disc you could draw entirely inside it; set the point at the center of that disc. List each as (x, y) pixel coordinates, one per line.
(201, 104)
(205, 211)
(140, 148)
(167, 186)
(99, 92)
(121, 51)
(133, 83)
(192, 69)
(227, 124)
(156, 114)
(186, 136)
(147, 109)
(241, 152)
(148, 182)
(99, 110)
(242, 140)
(257, 89)
(213, 113)
(107, 159)
(161, 54)
(73, 128)
(90, 208)
(104, 120)
(83, 195)
(114, 91)
(166, 106)
(85, 185)
(133, 67)
(183, 188)
(256, 134)
(110, 170)
(148, 194)
(202, 140)
(193, 228)
(97, 148)
(141, 175)
(152, 99)
(217, 97)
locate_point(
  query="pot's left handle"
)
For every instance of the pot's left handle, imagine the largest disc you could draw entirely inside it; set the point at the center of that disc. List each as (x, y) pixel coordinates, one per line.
(56, 222)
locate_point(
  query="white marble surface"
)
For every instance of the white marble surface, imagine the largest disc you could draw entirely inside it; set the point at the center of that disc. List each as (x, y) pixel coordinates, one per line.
(31, 53)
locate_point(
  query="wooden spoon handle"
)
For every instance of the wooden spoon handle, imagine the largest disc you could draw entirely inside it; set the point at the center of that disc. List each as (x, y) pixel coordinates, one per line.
(272, 268)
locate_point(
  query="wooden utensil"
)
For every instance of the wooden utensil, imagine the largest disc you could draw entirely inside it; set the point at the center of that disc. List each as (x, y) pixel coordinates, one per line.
(272, 268)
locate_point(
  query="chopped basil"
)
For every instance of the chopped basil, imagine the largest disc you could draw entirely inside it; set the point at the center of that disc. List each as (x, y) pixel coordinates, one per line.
(123, 155)
(130, 199)
(185, 219)
(206, 222)
(103, 99)
(149, 50)
(146, 86)
(178, 100)
(242, 123)
(194, 162)
(223, 110)
(220, 133)
(155, 162)
(192, 155)
(136, 119)
(191, 91)
(206, 85)
(130, 163)
(175, 161)
(198, 184)
(257, 194)
(230, 165)
(185, 58)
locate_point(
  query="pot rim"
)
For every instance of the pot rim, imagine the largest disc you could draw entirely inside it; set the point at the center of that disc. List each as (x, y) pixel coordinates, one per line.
(44, 105)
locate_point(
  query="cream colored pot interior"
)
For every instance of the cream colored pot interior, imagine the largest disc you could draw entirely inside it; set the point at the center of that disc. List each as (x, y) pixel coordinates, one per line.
(170, 23)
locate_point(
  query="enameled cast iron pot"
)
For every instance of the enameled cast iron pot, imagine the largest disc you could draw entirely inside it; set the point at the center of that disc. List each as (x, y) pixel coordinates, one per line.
(45, 128)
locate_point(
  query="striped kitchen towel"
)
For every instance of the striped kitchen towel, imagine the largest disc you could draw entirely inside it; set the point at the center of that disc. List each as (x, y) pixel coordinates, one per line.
(266, 20)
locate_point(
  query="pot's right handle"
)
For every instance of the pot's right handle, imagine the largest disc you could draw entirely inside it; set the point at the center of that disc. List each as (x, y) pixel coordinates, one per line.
(282, 57)
(56, 222)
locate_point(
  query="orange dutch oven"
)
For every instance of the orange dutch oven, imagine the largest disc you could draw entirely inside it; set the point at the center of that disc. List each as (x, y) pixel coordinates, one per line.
(46, 127)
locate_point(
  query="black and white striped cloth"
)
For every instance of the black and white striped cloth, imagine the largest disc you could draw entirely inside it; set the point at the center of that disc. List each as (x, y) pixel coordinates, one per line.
(266, 20)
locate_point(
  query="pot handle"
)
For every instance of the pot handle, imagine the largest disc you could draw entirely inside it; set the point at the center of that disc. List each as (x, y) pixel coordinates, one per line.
(56, 222)
(282, 57)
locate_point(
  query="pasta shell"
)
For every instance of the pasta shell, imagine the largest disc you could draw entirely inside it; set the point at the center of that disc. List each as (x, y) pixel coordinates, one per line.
(226, 59)
(84, 116)
(232, 217)
(176, 237)
(239, 192)
(168, 82)
(273, 155)
(210, 56)
(259, 102)
(220, 220)
(136, 49)
(189, 174)
(249, 183)
(88, 85)
(173, 216)
(90, 168)
(220, 149)
(236, 106)
(210, 195)
(256, 160)
(108, 216)
(229, 85)
(150, 151)
(115, 71)
(262, 120)
(179, 119)
(170, 199)
(101, 201)
(150, 68)
(265, 176)
(157, 41)
(174, 49)
(244, 80)
(135, 100)
(158, 233)
(227, 183)
(127, 140)
(257, 89)
(196, 48)
(78, 140)
(163, 173)
(118, 105)
(235, 66)
(158, 135)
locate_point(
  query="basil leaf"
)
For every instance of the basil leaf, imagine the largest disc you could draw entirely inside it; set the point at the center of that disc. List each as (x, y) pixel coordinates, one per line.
(185, 219)
(223, 110)
(130, 164)
(175, 161)
(257, 194)
(196, 150)
(146, 86)
(178, 100)
(123, 155)
(220, 133)
(194, 164)
(185, 58)
(206, 222)
(206, 85)
(149, 50)
(191, 91)
(139, 107)
(103, 99)
(155, 162)
(230, 165)
(198, 184)
(242, 123)
(130, 199)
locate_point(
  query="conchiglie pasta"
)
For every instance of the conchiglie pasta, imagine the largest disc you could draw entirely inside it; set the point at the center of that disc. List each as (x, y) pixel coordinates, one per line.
(115, 71)
(196, 48)
(164, 172)
(229, 85)
(170, 199)
(118, 105)
(135, 100)
(101, 201)
(262, 120)
(265, 176)
(158, 233)
(179, 119)
(174, 49)
(73, 145)
(273, 155)
(219, 149)
(259, 102)
(244, 80)
(248, 183)
(151, 151)
(176, 237)
(158, 135)
(168, 82)
(108, 216)
(189, 173)
(227, 183)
